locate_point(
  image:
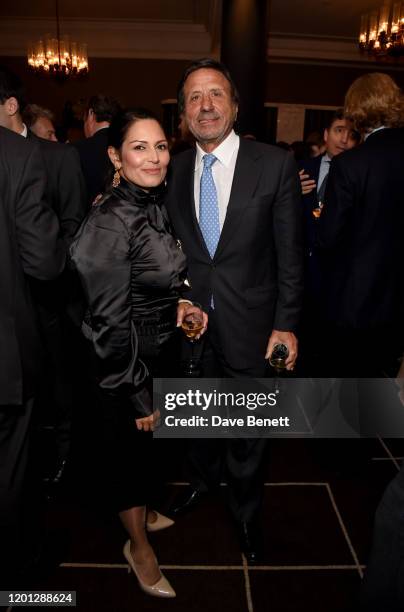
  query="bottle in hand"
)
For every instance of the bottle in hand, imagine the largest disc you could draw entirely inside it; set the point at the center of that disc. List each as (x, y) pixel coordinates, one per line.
(278, 357)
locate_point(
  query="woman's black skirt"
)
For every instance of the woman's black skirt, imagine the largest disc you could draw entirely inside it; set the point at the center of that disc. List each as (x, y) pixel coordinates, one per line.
(132, 471)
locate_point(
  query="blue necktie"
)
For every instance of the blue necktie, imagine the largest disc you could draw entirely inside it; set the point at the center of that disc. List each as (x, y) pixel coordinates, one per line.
(208, 206)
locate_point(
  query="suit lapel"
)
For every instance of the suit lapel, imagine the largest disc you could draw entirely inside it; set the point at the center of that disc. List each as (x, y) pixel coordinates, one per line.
(246, 176)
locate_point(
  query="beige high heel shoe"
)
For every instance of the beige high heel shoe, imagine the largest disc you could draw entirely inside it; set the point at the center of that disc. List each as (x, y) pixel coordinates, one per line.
(161, 522)
(162, 588)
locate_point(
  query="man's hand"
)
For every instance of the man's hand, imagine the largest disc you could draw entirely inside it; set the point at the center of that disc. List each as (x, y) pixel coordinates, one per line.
(307, 184)
(287, 338)
(184, 308)
(148, 423)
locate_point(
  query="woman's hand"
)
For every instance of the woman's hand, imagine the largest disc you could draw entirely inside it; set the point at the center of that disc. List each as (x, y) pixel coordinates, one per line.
(185, 308)
(148, 423)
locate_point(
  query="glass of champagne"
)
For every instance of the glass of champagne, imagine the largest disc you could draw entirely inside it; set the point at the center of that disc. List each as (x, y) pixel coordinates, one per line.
(192, 325)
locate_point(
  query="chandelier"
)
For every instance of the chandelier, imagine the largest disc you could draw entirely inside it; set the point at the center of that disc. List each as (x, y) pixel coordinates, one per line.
(382, 31)
(58, 57)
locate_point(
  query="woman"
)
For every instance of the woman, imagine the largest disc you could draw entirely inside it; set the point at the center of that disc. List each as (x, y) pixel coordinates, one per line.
(133, 271)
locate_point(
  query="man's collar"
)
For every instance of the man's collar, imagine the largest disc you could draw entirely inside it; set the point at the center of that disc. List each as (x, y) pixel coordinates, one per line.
(24, 132)
(103, 127)
(326, 157)
(382, 127)
(223, 152)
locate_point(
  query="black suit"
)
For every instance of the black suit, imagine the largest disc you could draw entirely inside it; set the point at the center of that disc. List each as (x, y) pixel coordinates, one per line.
(255, 277)
(312, 327)
(29, 246)
(361, 235)
(95, 162)
(65, 187)
(60, 299)
(310, 202)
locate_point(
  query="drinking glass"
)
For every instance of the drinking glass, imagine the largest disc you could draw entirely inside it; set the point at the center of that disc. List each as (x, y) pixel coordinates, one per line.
(192, 325)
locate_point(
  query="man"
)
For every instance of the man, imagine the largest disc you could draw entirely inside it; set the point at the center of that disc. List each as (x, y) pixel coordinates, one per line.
(65, 189)
(339, 136)
(29, 246)
(360, 235)
(93, 150)
(234, 204)
(40, 121)
(65, 192)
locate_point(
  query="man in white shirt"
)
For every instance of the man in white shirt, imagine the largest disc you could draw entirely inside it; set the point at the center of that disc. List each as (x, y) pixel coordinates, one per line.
(235, 206)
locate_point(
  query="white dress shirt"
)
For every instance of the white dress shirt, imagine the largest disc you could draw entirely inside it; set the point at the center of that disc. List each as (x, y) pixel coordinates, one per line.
(222, 172)
(24, 132)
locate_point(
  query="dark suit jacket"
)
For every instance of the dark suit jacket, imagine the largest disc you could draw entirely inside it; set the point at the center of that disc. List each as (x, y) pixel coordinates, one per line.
(256, 273)
(312, 269)
(65, 187)
(28, 246)
(94, 162)
(66, 194)
(310, 201)
(361, 232)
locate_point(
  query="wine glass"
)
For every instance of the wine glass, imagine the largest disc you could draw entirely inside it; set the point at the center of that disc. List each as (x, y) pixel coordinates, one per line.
(277, 360)
(192, 325)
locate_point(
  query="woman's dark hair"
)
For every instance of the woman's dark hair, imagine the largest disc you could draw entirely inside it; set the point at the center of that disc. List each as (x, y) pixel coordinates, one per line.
(123, 121)
(212, 64)
(118, 130)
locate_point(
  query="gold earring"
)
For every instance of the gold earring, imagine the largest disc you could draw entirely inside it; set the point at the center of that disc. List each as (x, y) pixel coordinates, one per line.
(117, 178)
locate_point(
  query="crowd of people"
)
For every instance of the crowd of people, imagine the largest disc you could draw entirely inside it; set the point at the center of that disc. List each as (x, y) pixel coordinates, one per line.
(109, 239)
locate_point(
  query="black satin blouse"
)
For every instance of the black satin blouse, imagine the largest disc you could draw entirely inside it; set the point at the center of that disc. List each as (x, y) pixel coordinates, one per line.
(131, 267)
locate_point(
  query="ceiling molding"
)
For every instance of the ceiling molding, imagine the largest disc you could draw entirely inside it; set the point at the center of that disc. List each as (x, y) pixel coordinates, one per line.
(312, 47)
(314, 50)
(115, 38)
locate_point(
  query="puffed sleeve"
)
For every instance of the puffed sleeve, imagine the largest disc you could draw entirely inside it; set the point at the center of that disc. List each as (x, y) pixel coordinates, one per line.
(101, 254)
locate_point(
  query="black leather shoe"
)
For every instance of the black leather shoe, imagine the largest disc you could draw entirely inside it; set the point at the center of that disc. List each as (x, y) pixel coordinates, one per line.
(249, 536)
(186, 501)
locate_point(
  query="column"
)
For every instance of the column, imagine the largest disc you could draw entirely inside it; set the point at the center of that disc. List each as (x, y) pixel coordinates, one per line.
(243, 51)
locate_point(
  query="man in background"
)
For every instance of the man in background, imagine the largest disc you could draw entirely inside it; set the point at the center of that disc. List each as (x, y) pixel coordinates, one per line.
(40, 121)
(339, 136)
(58, 301)
(29, 248)
(94, 159)
(360, 236)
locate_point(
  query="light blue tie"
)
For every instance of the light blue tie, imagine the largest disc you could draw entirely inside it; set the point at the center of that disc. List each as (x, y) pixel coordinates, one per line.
(208, 206)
